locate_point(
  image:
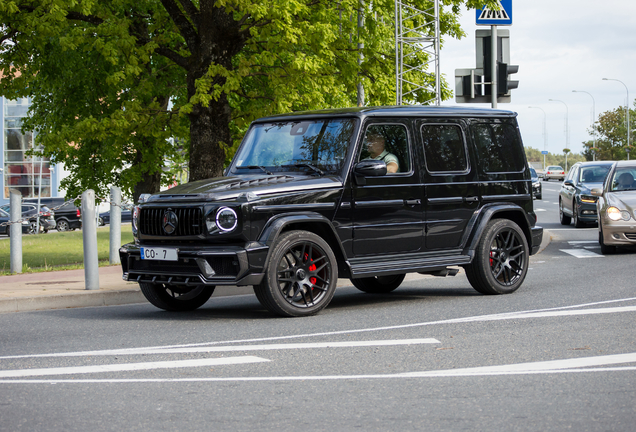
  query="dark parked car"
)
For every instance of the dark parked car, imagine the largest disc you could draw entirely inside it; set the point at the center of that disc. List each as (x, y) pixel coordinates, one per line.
(67, 215)
(104, 217)
(576, 202)
(5, 228)
(369, 194)
(617, 207)
(536, 184)
(30, 211)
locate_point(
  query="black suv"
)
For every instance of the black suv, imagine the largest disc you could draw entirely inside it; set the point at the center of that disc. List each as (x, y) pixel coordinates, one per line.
(67, 216)
(368, 194)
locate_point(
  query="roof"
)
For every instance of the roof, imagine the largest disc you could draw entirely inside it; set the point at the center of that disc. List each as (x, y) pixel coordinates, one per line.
(395, 111)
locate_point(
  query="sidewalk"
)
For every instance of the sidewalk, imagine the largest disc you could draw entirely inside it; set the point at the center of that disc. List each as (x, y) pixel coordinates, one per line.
(66, 289)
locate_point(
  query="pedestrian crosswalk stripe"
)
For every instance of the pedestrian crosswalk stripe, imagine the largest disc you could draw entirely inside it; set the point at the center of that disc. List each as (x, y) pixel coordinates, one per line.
(582, 253)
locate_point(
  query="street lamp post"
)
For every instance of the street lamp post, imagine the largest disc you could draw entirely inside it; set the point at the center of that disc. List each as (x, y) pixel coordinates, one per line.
(545, 134)
(593, 119)
(626, 105)
(567, 130)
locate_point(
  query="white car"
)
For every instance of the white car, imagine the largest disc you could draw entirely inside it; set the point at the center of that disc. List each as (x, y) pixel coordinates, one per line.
(554, 172)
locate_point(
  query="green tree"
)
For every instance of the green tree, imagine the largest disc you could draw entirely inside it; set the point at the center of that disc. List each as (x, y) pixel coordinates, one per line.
(611, 133)
(218, 64)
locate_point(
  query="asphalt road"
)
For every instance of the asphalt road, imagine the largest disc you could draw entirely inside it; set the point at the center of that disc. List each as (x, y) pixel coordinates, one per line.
(558, 354)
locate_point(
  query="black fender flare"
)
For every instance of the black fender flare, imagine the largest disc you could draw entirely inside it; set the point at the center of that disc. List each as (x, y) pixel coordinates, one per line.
(309, 221)
(495, 211)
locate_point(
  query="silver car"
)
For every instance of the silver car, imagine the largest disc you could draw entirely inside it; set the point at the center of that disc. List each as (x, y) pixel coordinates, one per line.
(554, 172)
(616, 207)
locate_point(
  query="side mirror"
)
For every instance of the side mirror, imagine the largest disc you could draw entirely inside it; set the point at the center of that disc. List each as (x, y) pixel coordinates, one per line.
(597, 192)
(568, 183)
(371, 168)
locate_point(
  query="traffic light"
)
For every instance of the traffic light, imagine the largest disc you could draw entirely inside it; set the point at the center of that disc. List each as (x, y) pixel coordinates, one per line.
(504, 84)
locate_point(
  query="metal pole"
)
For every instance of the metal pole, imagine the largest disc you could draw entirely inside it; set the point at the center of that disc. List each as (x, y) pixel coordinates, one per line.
(360, 55)
(15, 203)
(89, 234)
(37, 226)
(438, 96)
(593, 119)
(398, 90)
(545, 133)
(493, 65)
(115, 224)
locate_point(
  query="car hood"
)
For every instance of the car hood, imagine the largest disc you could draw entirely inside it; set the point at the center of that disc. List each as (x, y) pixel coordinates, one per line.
(247, 186)
(625, 200)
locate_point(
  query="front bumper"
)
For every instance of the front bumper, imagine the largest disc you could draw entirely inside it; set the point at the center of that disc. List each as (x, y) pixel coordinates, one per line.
(197, 265)
(619, 233)
(586, 212)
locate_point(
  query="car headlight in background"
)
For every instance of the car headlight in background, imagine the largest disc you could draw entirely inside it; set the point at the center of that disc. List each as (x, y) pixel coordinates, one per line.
(224, 219)
(588, 199)
(615, 214)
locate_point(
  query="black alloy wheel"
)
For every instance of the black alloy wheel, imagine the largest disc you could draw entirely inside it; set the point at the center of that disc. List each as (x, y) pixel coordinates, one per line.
(575, 217)
(301, 275)
(379, 284)
(501, 259)
(176, 298)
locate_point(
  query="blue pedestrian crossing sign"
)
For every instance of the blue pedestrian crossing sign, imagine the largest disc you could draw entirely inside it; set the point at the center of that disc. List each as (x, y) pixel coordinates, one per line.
(503, 16)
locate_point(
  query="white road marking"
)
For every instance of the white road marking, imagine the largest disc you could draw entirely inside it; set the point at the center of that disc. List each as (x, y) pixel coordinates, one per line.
(578, 365)
(582, 253)
(578, 242)
(130, 367)
(478, 318)
(539, 210)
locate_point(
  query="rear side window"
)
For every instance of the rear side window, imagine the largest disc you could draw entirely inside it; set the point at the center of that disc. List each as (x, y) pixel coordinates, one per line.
(499, 147)
(444, 148)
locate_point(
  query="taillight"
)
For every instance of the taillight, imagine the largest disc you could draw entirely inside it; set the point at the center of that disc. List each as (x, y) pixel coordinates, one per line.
(78, 213)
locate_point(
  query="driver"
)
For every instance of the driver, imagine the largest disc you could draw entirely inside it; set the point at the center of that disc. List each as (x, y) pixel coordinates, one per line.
(375, 145)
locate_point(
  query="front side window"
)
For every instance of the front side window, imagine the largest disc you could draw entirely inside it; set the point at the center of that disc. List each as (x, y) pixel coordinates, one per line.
(295, 145)
(388, 143)
(499, 147)
(444, 148)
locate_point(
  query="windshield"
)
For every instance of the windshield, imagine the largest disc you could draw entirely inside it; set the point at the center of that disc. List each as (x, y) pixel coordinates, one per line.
(593, 174)
(623, 179)
(310, 145)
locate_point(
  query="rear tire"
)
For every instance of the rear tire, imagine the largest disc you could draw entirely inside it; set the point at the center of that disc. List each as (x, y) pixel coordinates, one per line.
(62, 225)
(501, 259)
(176, 298)
(378, 284)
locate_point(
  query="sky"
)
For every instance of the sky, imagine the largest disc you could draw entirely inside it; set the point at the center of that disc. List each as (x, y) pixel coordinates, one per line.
(560, 46)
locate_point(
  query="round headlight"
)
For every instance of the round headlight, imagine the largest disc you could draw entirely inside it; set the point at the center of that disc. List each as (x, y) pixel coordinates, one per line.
(135, 218)
(613, 213)
(226, 219)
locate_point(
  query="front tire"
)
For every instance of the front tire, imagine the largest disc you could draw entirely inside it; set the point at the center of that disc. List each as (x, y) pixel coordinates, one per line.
(501, 259)
(176, 298)
(565, 220)
(605, 249)
(300, 276)
(575, 217)
(378, 284)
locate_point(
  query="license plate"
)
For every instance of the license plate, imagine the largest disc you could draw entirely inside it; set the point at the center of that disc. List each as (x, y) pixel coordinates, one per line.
(159, 254)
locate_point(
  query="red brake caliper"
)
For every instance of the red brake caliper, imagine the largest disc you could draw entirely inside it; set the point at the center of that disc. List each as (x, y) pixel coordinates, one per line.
(312, 268)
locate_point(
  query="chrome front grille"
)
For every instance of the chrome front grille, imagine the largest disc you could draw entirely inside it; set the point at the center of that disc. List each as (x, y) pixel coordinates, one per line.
(189, 221)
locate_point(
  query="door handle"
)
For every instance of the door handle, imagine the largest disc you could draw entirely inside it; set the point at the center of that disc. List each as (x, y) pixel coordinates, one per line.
(412, 202)
(471, 199)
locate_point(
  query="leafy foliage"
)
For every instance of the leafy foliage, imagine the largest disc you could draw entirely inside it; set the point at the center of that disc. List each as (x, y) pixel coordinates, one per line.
(611, 136)
(112, 80)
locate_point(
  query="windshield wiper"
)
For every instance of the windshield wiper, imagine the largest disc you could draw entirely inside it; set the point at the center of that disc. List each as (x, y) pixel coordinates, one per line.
(265, 170)
(308, 165)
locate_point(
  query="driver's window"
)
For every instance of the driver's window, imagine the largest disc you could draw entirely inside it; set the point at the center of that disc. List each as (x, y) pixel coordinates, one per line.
(388, 143)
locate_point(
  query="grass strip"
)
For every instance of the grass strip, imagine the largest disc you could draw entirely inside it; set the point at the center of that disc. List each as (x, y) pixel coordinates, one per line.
(58, 250)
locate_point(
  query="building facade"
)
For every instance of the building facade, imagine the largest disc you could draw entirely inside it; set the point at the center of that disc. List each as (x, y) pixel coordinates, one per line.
(32, 176)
